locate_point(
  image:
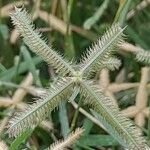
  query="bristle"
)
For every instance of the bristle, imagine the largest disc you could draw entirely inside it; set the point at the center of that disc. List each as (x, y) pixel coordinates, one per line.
(33, 39)
(97, 57)
(101, 50)
(111, 64)
(66, 143)
(35, 113)
(121, 128)
(143, 56)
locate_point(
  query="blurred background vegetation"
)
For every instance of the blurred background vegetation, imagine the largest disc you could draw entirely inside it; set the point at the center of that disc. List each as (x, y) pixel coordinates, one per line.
(70, 26)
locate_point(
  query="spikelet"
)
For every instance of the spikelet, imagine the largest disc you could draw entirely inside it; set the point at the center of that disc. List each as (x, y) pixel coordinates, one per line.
(111, 64)
(38, 111)
(121, 128)
(34, 40)
(63, 144)
(143, 56)
(101, 50)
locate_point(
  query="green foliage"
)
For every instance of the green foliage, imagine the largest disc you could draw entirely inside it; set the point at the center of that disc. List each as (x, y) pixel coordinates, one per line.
(21, 139)
(98, 140)
(122, 12)
(92, 20)
(32, 67)
(75, 76)
(2, 68)
(8, 74)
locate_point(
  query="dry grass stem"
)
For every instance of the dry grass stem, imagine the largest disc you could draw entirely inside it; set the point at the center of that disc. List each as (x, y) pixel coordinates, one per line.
(139, 7)
(3, 146)
(20, 93)
(54, 6)
(104, 84)
(47, 125)
(140, 111)
(128, 47)
(5, 10)
(16, 99)
(89, 116)
(5, 102)
(117, 87)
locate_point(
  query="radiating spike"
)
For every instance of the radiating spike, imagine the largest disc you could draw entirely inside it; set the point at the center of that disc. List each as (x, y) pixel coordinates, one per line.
(121, 128)
(101, 50)
(35, 113)
(32, 38)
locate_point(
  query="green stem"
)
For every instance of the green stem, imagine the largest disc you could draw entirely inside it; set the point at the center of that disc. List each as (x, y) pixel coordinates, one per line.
(69, 8)
(75, 116)
(69, 46)
(122, 11)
